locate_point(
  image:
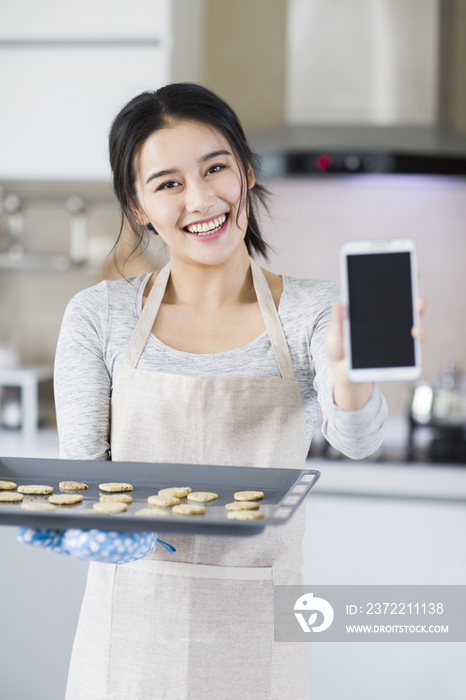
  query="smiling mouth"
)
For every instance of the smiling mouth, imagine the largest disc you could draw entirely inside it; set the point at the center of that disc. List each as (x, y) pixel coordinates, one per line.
(207, 229)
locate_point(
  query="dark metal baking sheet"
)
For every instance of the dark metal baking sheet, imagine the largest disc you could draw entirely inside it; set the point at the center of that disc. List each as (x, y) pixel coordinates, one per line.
(284, 490)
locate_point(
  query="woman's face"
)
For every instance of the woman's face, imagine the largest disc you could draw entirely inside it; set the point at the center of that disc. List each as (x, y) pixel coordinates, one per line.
(188, 186)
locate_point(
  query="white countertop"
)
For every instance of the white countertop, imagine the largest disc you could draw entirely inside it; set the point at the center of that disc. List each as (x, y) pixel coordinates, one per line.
(389, 479)
(42, 444)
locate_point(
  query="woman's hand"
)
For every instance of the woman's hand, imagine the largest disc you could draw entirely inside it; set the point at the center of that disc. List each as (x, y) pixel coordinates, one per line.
(350, 395)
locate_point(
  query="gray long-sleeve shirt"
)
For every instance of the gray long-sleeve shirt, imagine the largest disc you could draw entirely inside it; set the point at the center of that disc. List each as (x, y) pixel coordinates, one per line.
(96, 331)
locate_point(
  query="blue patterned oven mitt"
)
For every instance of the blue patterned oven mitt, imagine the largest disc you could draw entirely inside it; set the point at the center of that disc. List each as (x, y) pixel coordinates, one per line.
(94, 545)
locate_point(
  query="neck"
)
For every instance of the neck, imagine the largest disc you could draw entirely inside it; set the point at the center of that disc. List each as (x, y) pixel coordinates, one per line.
(210, 286)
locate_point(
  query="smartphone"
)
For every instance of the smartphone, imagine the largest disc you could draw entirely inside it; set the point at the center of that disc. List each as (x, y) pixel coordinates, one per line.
(379, 285)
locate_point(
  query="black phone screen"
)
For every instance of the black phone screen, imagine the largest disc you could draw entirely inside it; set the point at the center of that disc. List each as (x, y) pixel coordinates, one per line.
(380, 310)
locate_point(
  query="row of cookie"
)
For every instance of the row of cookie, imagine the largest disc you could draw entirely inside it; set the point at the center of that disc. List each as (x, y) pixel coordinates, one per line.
(42, 489)
(244, 507)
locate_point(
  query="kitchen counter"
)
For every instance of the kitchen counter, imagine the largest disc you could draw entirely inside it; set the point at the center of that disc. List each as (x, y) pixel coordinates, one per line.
(411, 480)
(41, 444)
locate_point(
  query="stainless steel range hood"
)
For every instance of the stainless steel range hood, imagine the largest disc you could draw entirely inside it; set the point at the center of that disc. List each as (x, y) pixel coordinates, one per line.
(306, 150)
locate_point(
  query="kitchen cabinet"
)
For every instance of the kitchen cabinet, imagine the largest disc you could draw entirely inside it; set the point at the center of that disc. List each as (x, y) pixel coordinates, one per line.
(371, 524)
(65, 70)
(44, 593)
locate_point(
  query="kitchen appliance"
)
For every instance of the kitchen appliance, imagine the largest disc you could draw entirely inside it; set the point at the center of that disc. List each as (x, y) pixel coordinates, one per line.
(320, 149)
(440, 406)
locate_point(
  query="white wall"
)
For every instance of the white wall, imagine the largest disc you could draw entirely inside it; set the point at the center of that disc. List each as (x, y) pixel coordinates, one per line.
(64, 19)
(362, 61)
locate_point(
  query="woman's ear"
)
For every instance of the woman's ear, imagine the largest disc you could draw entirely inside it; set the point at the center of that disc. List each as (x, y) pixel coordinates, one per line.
(139, 215)
(251, 177)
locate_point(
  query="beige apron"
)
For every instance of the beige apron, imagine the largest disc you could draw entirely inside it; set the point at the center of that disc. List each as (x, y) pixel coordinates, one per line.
(198, 623)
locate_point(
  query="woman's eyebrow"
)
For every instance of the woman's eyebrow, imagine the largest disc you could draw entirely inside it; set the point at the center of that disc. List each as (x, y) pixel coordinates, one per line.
(173, 171)
(161, 173)
(214, 154)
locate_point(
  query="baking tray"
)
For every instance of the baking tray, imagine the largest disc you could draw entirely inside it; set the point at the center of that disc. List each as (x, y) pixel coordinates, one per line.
(284, 490)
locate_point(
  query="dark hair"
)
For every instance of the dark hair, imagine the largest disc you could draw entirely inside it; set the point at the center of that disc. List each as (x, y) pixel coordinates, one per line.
(154, 110)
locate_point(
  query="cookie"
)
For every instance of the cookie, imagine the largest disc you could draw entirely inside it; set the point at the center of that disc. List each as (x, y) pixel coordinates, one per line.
(7, 485)
(248, 495)
(72, 486)
(202, 496)
(10, 497)
(153, 512)
(109, 507)
(244, 515)
(115, 486)
(35, 489)
(186, 509)
(115, 497)
(37, 505)
(242, 505)
(65, 499)
(178, 491)
(163, 501)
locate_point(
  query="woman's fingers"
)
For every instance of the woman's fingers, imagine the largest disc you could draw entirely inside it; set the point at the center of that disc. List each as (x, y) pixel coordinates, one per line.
(420, 332)
(420, 304)
(338, 314)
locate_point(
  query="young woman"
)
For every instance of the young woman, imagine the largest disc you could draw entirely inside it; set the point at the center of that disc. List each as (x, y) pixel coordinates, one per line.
(210, 360)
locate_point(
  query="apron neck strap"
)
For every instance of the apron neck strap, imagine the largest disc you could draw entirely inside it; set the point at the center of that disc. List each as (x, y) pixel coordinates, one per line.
(266, 305)
(147, 318)
(272, 321)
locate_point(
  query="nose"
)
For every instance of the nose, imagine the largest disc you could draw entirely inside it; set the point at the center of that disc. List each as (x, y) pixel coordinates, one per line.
(199, 196)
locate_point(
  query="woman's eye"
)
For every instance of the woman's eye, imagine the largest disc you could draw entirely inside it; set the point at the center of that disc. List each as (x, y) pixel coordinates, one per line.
(168, 185)
(215, 168)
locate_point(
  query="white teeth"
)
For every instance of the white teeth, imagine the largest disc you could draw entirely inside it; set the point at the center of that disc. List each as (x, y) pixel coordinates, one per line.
(207, 228)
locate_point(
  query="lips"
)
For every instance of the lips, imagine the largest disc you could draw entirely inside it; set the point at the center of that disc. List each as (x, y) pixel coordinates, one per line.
(206, 228)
